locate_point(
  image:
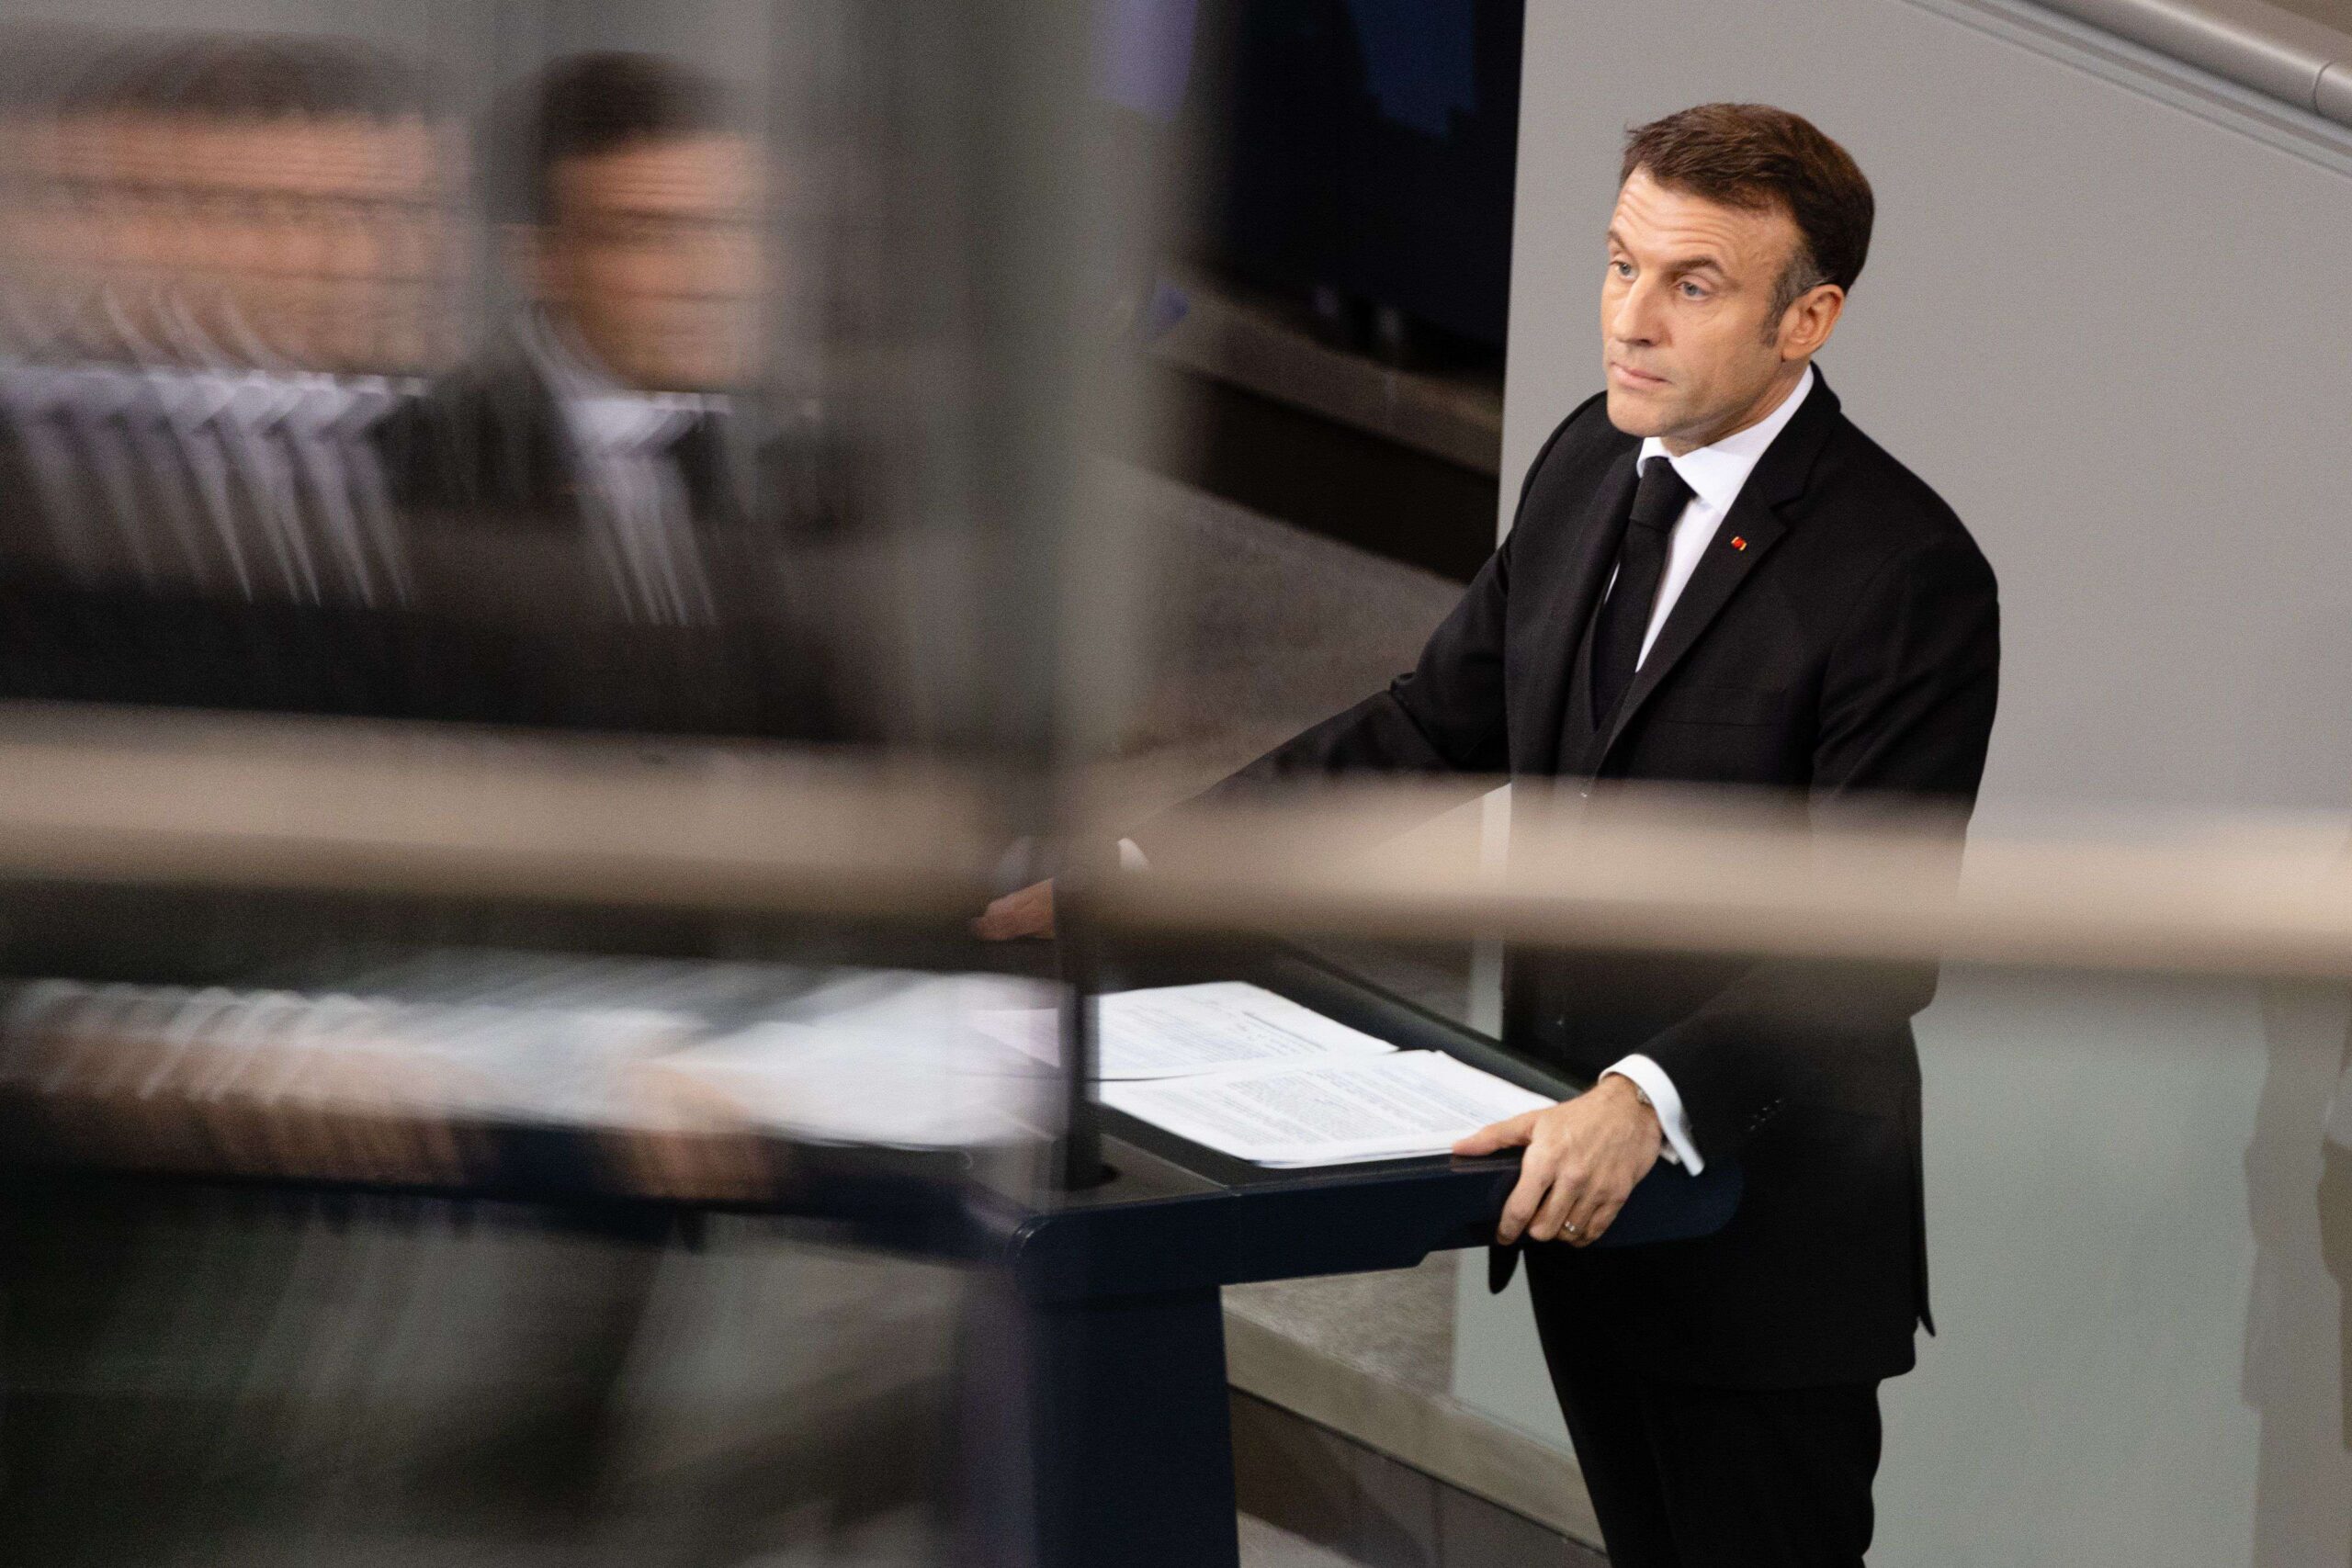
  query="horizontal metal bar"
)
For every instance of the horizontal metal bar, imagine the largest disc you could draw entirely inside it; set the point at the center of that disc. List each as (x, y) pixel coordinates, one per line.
(336, 806)
(1729, 874)
(325, 805)
(2336, 93)
(2258, 45)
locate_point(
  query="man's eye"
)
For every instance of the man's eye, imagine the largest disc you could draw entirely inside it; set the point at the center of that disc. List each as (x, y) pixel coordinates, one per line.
(1621, 268)
(1693, 291)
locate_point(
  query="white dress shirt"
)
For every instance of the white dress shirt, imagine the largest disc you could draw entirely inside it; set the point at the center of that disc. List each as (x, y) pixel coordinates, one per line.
(1715, 474)
(640, 513)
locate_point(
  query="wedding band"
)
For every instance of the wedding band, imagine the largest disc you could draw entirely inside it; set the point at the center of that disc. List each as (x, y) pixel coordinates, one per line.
(1570, 1228)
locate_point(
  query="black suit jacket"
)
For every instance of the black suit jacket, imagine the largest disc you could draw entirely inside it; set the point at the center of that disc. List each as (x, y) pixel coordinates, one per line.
(81, 622)
(1846, 655)
(525, 629)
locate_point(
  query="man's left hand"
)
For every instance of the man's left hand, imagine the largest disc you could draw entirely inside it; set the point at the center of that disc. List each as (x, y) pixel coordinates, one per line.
(1583, 1158)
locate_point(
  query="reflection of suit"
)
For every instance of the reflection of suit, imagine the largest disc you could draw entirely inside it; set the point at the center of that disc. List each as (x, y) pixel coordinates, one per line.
(196, 537)
(698, 620)
(1837, 643)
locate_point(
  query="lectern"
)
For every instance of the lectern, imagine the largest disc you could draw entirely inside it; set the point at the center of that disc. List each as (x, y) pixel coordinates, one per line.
(1096, 1429)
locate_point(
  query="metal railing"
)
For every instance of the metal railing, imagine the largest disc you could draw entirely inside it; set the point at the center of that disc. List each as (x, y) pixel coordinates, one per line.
(2260, 46)
(324, 805)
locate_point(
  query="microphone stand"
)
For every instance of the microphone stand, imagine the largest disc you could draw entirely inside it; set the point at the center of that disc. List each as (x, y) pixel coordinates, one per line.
(1078, 955)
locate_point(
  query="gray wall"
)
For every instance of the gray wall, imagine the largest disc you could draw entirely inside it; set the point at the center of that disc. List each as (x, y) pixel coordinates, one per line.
(2112, 333)
(2101, 317)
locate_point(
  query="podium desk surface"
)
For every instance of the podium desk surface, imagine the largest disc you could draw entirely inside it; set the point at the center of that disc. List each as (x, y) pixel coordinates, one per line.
(1172, 1214)
(1167, 1214)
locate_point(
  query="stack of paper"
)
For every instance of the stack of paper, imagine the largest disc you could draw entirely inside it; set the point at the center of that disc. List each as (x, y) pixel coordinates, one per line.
(1404, 1104)
(914, 1060)
(893, 1057)
(1255, 1074)
(1172, 1032)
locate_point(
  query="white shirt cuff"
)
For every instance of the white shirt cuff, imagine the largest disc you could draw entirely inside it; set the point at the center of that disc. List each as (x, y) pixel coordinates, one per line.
(1131, 856)
(1667, 1100)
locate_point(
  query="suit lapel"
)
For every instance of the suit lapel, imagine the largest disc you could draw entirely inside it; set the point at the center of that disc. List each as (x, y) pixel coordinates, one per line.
(1568, 605)
(1753, 520)
(705, 461)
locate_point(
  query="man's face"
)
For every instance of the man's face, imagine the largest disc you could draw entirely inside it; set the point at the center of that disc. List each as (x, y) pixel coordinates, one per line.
(324, 239)
(1688, 333)
(654, 257)
(47, 239)
(324, 243)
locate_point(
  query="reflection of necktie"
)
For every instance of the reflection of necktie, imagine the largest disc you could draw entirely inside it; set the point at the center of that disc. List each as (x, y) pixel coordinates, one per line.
(247, 427)
(337, 496)
(1625, 617)
(647, 537)
(149, 498)
(228, 503)
(185, 471)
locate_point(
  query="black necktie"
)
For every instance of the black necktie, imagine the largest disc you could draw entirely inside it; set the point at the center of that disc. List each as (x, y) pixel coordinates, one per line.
(1626, 616)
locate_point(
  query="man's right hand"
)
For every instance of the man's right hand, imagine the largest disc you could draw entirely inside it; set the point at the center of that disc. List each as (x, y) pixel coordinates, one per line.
(1029, 913)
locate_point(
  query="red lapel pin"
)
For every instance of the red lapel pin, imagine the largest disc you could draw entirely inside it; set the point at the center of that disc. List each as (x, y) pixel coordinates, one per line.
(1737, 543)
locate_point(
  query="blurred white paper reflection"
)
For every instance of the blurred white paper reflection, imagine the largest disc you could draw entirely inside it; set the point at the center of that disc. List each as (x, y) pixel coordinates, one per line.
(864, 1084)
(293, 1081)
(887, 1057)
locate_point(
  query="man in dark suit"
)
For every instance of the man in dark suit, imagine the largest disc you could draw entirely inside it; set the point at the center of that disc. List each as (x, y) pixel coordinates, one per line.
(1713, 577)
(609, 493)
(233, 260)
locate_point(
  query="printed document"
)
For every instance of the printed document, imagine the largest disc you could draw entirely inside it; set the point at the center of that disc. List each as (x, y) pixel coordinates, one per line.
(1398, 1106)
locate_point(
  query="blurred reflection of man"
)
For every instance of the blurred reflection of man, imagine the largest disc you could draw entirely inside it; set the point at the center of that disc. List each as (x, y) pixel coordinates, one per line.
(1713, 577)
(647, 198)
(613, 467)
(233, 255)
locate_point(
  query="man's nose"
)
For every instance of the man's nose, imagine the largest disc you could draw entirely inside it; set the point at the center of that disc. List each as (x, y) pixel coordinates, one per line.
(1635, 318)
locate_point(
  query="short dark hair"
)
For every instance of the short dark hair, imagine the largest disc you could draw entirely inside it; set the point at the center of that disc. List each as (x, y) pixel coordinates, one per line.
(586, 105)
(260, 77)
(1760, 158)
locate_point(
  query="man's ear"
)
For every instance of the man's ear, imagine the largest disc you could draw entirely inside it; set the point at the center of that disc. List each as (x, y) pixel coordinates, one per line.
(1811, 317)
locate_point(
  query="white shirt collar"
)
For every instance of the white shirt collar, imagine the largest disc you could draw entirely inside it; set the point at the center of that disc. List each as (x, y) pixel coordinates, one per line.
(603, 415)
(1716, 473)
